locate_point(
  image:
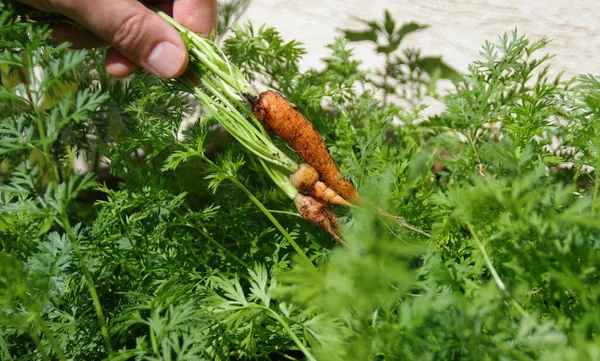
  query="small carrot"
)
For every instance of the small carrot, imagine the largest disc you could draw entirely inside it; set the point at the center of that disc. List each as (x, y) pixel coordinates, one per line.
(282, 118)
(319, 213)
(321, 191)
(306, 181)
(304, 178)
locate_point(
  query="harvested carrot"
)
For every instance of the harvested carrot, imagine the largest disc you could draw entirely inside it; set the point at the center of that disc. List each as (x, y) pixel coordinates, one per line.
(306, 181)
(322, 192)
(304, 178)
(319, 213)
(223, 86)
(282, 118)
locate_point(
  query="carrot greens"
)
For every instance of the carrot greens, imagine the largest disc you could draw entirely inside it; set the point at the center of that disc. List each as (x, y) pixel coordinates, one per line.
(146, 219)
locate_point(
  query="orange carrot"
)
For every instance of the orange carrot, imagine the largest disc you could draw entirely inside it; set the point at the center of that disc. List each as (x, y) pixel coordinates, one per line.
(318, 213)
(304, 178)
(283, 119)
(306, 181)
(322, 192)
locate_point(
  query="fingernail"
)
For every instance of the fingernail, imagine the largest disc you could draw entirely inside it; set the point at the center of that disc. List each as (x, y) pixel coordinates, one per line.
(167, 59)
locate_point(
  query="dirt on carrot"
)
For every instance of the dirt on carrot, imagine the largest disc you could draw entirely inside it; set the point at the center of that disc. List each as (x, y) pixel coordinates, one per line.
(282, 118)
(319, 213)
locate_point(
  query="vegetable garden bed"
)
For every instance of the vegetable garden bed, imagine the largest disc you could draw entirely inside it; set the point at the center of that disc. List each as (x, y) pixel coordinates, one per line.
(476, 234)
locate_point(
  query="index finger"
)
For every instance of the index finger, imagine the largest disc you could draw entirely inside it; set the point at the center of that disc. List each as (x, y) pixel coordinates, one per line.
(197, 15)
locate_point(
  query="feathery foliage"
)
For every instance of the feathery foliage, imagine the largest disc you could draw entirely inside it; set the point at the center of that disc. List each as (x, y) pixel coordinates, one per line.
(175, 245)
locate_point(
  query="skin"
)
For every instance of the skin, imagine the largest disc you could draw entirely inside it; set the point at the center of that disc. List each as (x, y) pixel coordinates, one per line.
(137, 36)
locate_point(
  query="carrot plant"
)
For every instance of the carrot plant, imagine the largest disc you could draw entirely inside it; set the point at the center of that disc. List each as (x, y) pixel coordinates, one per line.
(180, 238)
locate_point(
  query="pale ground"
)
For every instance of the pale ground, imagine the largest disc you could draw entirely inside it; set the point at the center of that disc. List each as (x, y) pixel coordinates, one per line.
(457, 28)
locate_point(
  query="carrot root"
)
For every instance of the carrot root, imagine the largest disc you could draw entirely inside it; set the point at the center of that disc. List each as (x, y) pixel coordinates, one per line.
(320, 191)
(282, 118)
(319, 213)
(306, 180)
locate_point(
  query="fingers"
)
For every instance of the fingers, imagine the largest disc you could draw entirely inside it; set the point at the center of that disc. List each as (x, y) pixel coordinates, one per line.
(76, 35)
(138, 33)
(118, 65)
(197, 15)
(40, 5)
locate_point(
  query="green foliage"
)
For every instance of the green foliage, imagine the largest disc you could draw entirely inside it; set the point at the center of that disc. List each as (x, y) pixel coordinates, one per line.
(188, 251)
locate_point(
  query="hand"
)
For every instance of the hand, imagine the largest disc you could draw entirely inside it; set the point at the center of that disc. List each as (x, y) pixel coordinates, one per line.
(137, 35)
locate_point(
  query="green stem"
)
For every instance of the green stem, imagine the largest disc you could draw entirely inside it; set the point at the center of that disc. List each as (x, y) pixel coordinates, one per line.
(520, 309)
(596, 189)
(295, 338)
(153, 340)
(53, 343)
(260, 206)
(285, 234)
(206, 52)
(34, 99)
(495, 275)
(488, 261)
(234, 125)
(88, 280)
(283, 181)
(50, 167)
(288, 213)
(283, 355)
(210, 238)
(38, 344)
(274, 315)
(227, 83)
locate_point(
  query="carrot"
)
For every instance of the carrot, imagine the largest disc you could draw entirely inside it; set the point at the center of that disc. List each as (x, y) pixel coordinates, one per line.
(282, 118)
(304, 178)
(321, 191)
(319, 213)
(306, 181)
(222, 90)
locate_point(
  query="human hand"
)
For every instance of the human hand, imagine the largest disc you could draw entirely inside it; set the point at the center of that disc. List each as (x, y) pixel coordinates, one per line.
(137, 35)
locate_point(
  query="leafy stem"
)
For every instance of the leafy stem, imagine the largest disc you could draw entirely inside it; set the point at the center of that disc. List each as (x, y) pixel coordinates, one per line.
(266, 212)
(221, 90)
(287, 329)
(275, 316)
(285, 233)
(50, 167)
(206, 53)
(64, 220)
(596, 190)
(487, 260)
(35, 98)
(53, 343)
(37, 342)
(209, 237)
(480, 167)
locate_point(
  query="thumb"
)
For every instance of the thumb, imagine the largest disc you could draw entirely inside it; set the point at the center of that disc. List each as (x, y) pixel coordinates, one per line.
(136, 31)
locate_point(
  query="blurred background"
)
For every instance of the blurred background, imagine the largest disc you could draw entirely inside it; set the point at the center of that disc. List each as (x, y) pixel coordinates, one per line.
(457, 29)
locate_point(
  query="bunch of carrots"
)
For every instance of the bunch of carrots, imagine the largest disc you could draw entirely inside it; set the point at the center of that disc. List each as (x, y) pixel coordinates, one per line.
(244, 112)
